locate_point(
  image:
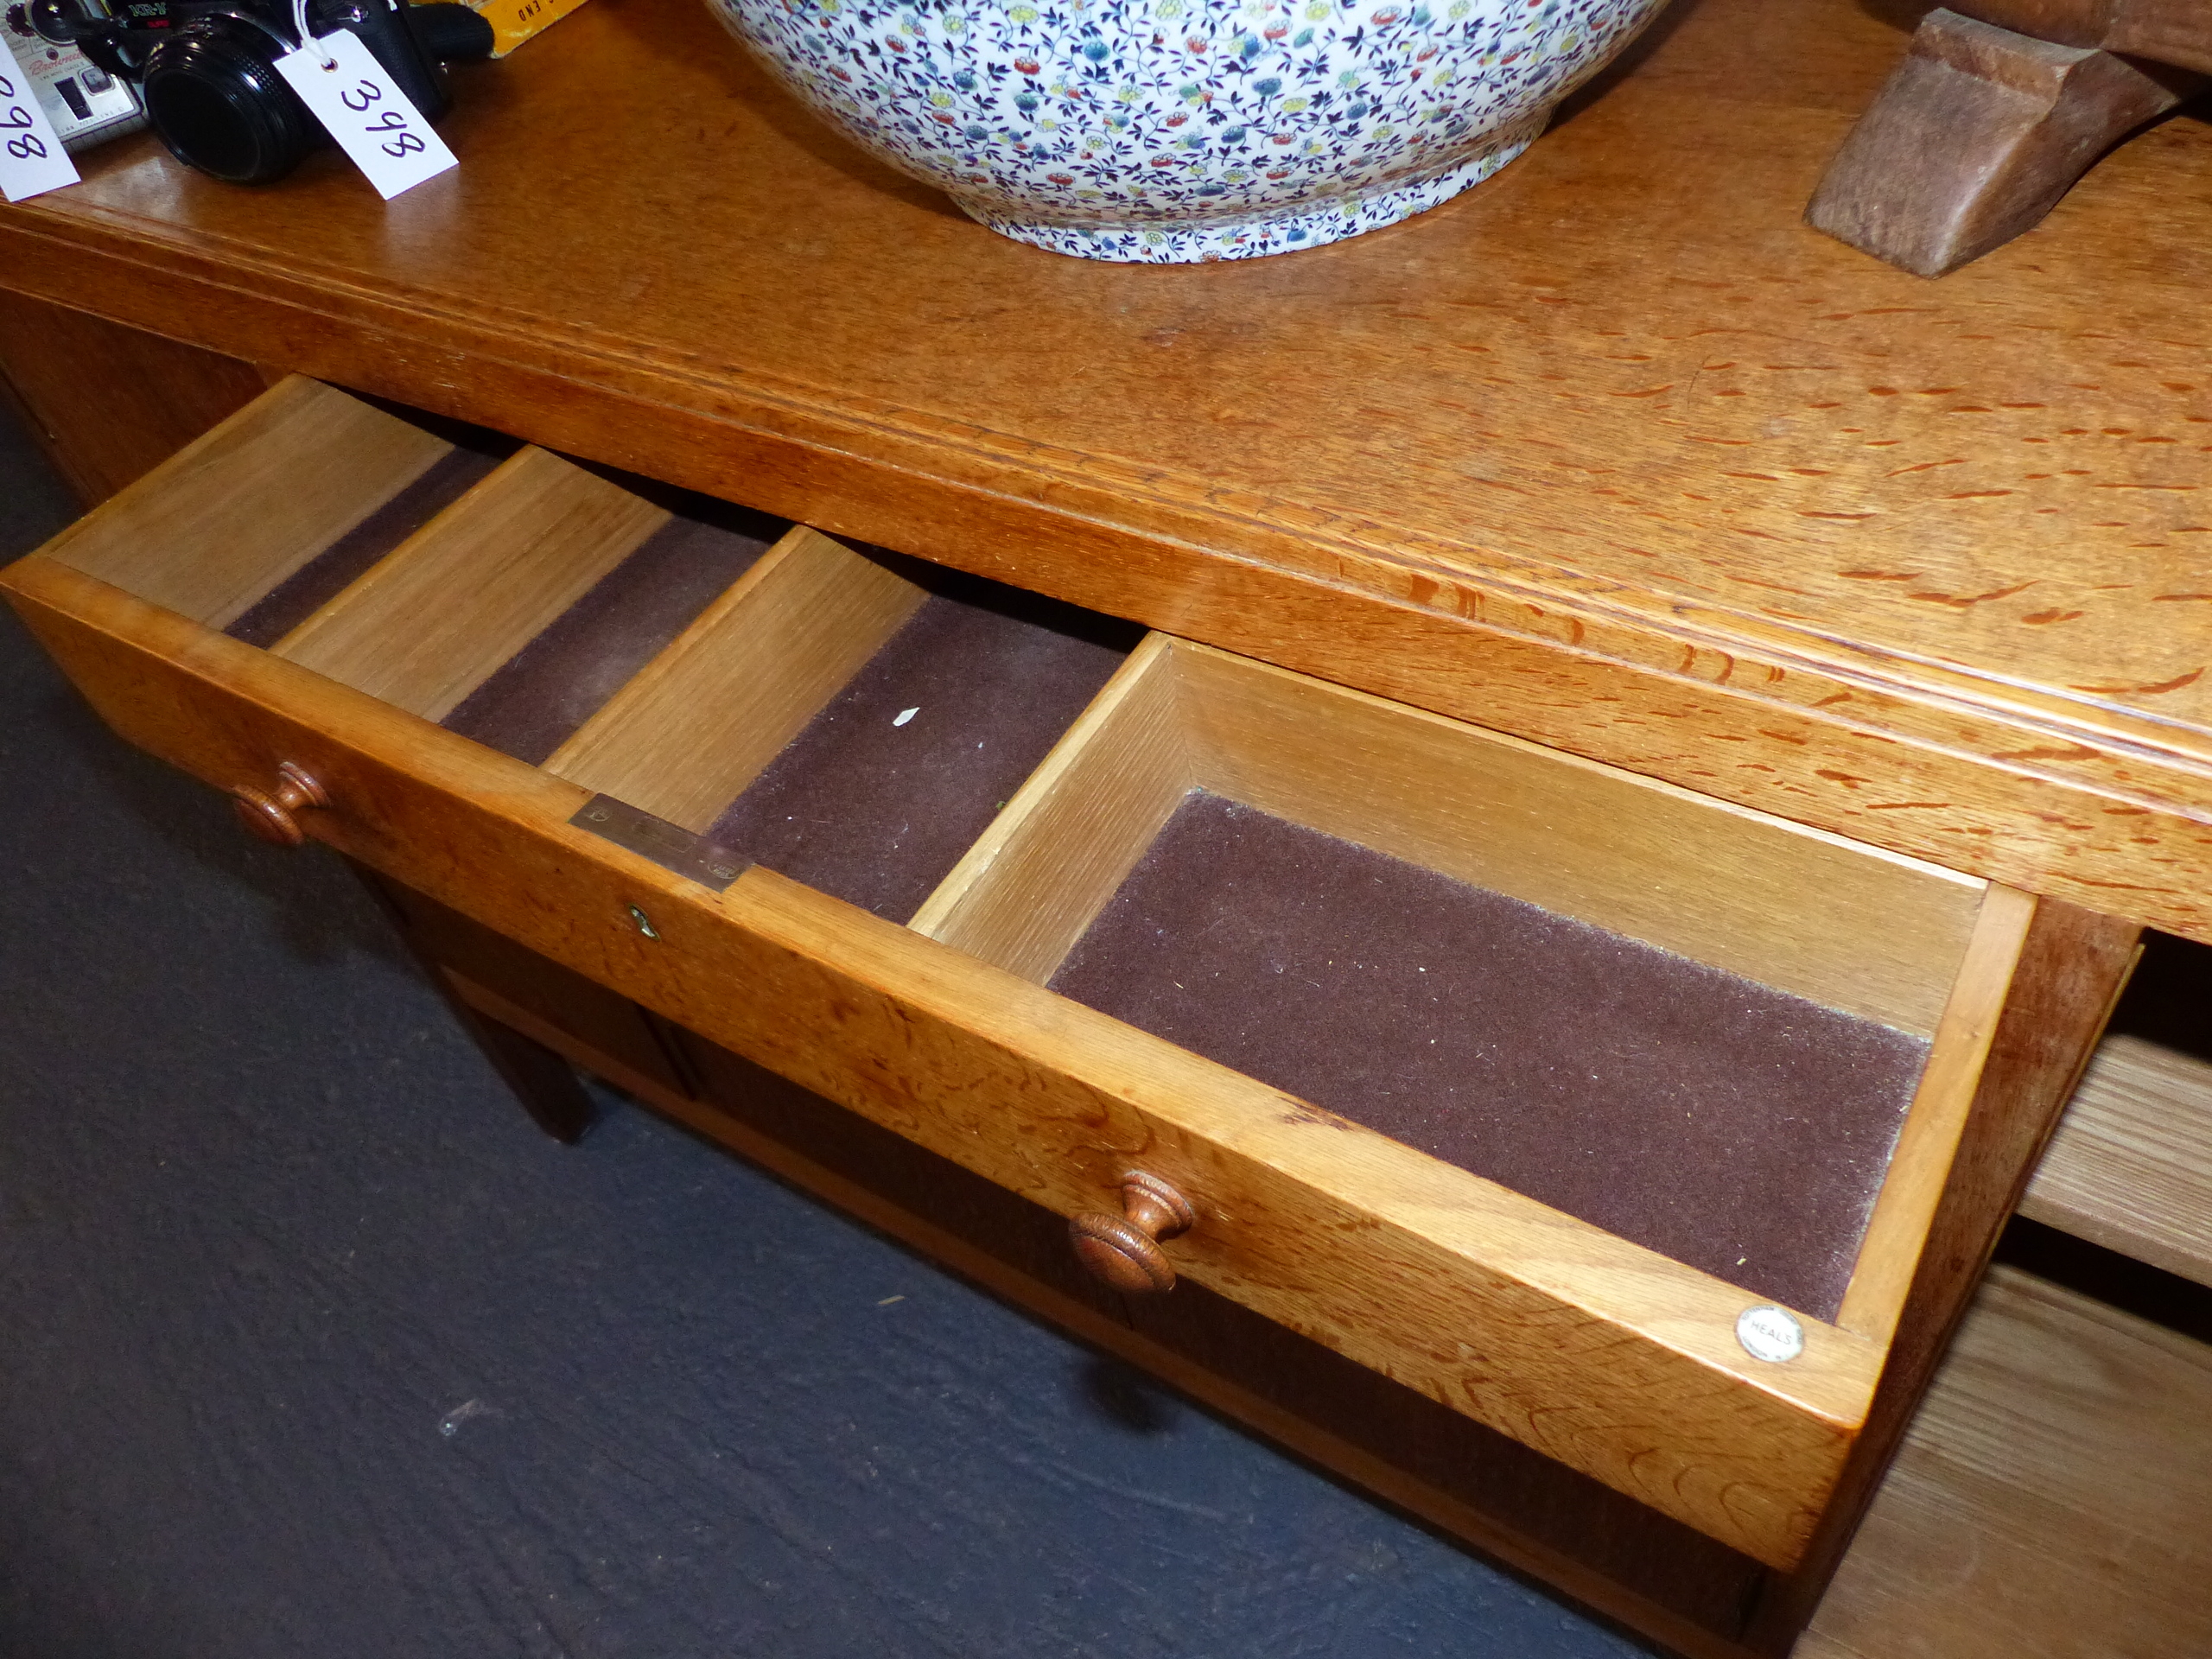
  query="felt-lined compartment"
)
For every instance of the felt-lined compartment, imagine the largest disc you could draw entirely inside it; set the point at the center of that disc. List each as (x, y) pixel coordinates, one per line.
(315, 583)
(848, 717)
(542, 696)
(1733, 1127)
(1697, 1028)
(504, 592)
(260, 518)
(886, 788)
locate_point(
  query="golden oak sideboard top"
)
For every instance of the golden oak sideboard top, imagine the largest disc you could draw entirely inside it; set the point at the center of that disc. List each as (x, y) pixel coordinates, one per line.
(1612, 453)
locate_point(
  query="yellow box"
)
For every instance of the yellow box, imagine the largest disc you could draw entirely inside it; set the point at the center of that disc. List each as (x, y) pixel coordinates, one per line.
(514, 21)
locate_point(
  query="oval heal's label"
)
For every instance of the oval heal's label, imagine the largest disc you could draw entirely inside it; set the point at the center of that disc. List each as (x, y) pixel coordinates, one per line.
(1770, 1333)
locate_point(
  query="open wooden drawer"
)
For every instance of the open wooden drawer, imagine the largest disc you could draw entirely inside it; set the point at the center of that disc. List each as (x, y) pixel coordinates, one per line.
(551, 704)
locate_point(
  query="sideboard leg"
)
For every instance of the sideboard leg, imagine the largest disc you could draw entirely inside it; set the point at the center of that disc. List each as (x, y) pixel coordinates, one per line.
(1976, 137)
(545, 1084)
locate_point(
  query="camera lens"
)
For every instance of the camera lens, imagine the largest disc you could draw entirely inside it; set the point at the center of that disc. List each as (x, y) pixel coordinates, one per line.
(219, 104)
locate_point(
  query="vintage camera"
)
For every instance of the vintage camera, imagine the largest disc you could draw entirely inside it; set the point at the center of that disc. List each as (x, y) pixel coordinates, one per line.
(205, 69)
(85, 104)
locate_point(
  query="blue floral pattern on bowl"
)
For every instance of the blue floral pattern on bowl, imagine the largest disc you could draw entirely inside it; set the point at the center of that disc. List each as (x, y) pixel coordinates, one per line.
(1173, 131)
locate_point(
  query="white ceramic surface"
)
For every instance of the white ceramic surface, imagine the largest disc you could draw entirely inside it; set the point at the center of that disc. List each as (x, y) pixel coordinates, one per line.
(1173, 130)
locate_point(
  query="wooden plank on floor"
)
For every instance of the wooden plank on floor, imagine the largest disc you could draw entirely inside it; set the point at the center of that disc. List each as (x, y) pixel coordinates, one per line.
(2131, 1165)
(2053, 1499)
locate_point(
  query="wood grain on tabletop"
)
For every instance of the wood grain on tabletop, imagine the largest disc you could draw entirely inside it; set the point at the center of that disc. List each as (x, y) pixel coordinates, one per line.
(1783, 506)
(2044, 1501)
(1040, 1095)
(2131, 1165)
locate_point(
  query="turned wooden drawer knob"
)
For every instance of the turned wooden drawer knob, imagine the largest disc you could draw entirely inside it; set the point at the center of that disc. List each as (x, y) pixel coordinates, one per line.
(270, 816)
(1124, 1250)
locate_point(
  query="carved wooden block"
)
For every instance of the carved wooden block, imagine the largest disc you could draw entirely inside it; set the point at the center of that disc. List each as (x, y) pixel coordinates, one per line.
(2166, 31)
(1981, 130)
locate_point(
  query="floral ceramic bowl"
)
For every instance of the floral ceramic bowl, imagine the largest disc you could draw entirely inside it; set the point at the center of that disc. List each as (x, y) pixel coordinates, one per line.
(1173, 131)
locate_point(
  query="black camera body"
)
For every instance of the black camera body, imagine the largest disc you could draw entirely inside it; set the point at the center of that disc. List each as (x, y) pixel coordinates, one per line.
(207, 68)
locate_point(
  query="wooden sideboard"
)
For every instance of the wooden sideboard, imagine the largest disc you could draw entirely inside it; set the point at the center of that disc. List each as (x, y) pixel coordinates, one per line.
(1613, 456)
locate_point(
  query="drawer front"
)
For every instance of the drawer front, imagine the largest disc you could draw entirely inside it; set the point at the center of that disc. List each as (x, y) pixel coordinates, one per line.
(1610, 1358)
(453, 946)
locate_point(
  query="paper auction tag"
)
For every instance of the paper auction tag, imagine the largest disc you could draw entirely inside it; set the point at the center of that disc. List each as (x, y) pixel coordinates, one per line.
(31, 160)
(347, 89)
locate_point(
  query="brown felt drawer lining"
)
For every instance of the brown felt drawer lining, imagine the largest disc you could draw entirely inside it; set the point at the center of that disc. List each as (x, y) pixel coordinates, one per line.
(876, 813)
(547, 690)
(276, 613)
(1735, 1127)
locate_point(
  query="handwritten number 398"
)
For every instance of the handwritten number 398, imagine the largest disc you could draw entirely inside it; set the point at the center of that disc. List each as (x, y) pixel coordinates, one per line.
(30, 146)
(403, 142)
